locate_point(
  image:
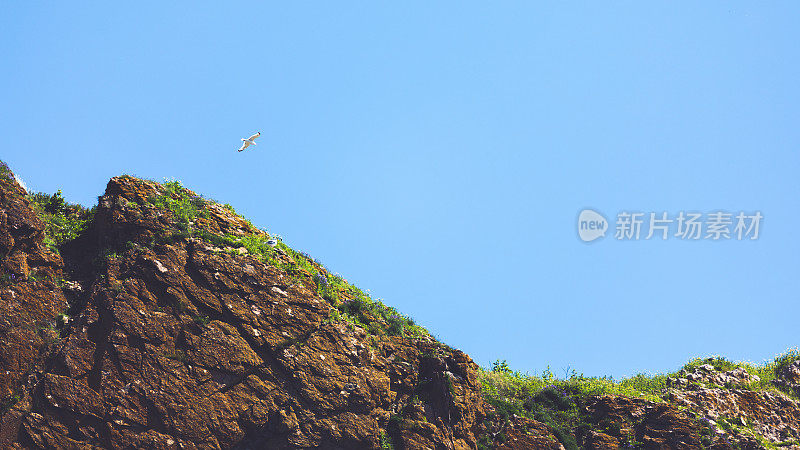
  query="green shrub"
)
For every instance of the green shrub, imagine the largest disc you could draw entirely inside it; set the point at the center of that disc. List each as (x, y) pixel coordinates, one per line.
(385, 441)
(557, 402)
(501, 367)
(201, 320)
(7, 403)
(783, 360)
(185, 207)
(63, 221)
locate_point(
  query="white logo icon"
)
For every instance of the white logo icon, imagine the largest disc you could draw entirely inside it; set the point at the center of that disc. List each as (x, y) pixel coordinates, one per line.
(591, 225)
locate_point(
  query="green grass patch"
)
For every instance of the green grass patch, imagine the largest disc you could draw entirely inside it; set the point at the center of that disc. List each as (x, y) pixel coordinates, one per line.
(558, 403)
(386, 441)
(351, 304)
(185, 206)
(501, 382)
(356, 307)
(201, 320)
(63, 221)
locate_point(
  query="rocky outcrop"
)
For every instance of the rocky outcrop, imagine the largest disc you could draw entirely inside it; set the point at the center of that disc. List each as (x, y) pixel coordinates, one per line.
(152, 330)
(789, 378)
(30, 299)
(736, 413)
(618, 422)
(521, 432)
(707, 375)
(177, 343)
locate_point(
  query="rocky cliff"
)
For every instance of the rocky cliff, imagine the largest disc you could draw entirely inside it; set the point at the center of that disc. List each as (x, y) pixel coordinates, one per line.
(174, 342)
(168, 321)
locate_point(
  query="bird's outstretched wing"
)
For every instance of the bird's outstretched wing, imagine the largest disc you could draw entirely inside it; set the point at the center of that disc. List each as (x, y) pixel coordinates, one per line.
(245, 144)
(254, 136)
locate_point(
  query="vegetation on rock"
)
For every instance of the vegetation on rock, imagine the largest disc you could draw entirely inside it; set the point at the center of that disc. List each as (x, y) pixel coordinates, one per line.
(560, 403)
(766, 372)
(182, 322)
(352, 305)
(64, 221)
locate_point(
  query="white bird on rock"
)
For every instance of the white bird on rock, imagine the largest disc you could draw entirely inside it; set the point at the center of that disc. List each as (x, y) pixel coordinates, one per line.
(249, 141)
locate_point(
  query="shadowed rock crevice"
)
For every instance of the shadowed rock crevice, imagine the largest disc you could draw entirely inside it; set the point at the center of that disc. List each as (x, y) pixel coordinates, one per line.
(98, 333)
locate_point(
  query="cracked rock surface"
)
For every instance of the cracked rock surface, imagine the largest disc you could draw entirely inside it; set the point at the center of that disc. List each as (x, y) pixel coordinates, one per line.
(185, 345)
(723, 396)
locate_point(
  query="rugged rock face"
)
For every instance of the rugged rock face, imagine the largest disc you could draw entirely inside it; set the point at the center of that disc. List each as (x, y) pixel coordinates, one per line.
(30, 300)
(638, 422)
(728, 403)
(789, 378)
(527, 433)
(181, 344)
(139, 334)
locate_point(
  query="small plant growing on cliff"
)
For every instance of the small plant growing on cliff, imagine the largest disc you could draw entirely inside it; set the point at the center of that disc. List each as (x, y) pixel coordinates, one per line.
(385, 441)
(177, 355)
(109, 254)
(201, 320)
(9, 402)
(115, 286)
(63, 221)
(7, 279)
(5, 172)
(396, 324)
(501, 367)
(184, 206)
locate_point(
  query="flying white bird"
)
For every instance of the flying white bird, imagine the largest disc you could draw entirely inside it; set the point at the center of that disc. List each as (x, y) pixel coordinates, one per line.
(249, 141)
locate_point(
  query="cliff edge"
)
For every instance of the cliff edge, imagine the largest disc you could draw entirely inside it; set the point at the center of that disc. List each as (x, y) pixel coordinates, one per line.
(160, 319)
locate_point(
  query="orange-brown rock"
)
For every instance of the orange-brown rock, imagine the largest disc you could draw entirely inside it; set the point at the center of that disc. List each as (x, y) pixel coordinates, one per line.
(30, 298)
(628, 421)
(175, 342)
(522, 433)
(179, 344)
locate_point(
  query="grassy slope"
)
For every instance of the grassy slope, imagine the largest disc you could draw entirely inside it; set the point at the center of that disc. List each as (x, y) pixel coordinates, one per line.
(557, 402)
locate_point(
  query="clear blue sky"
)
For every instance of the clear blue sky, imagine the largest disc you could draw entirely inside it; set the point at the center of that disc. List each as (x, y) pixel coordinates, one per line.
(438, 154)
